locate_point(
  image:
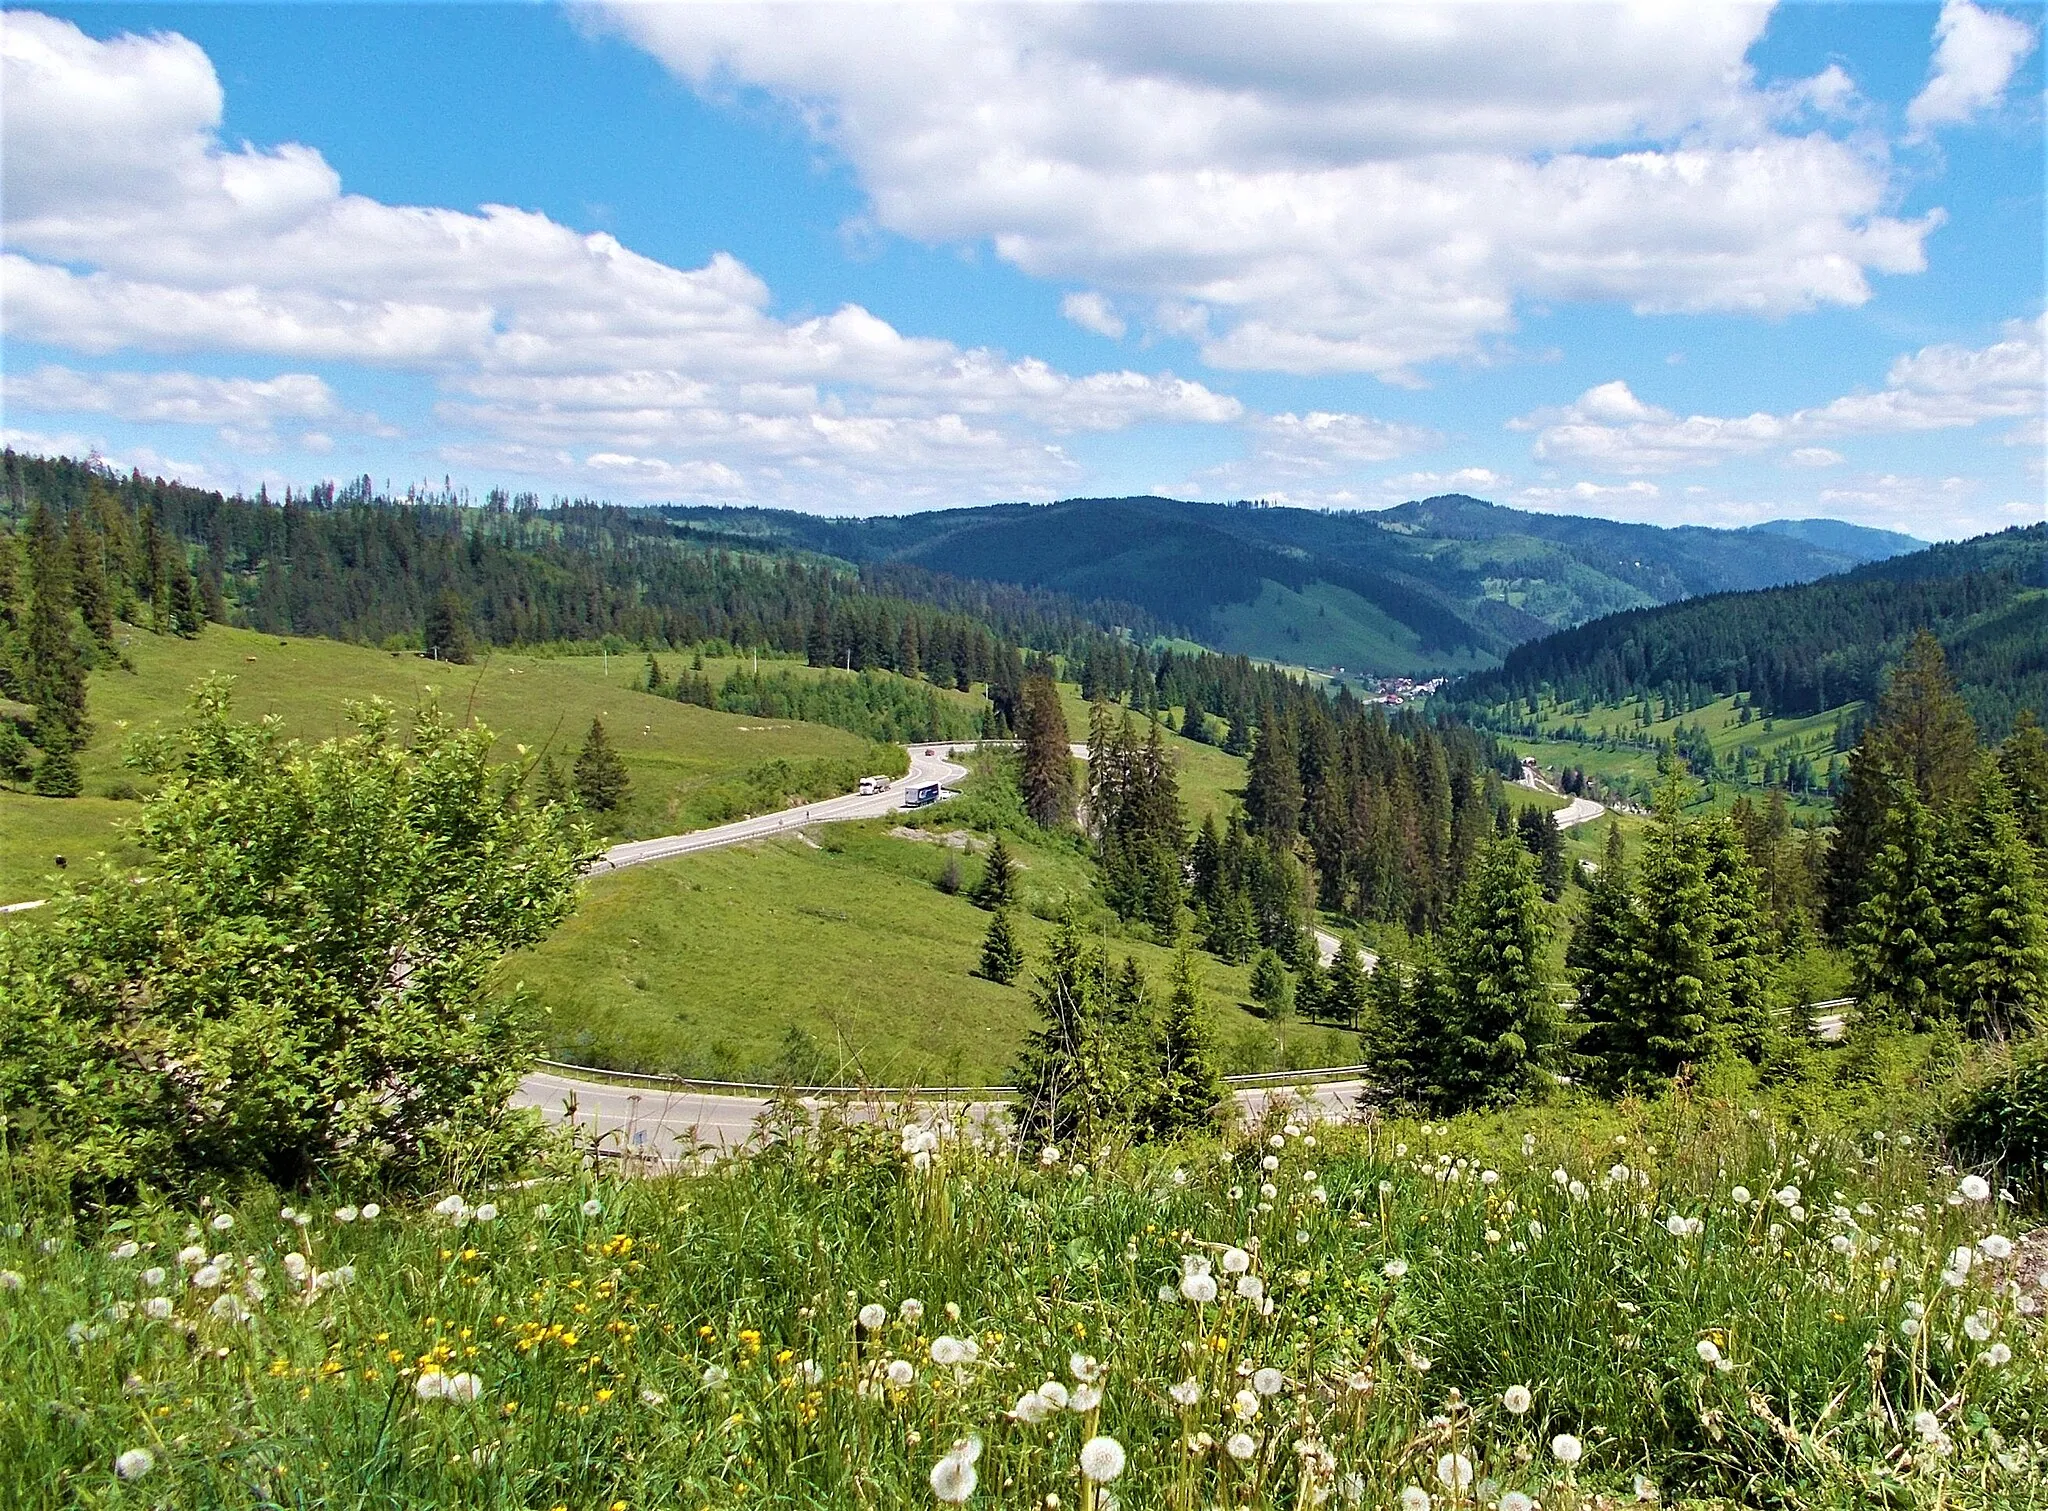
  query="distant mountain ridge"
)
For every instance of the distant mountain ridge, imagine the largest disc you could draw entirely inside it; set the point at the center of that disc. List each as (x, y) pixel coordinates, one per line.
(1444, 584)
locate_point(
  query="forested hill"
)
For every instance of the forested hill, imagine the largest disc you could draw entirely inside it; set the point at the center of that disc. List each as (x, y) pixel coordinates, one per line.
(1799, 650)
(347, 565)
(1444, 583)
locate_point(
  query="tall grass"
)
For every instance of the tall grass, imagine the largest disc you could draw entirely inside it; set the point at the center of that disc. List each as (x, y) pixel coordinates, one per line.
(1365, 1298)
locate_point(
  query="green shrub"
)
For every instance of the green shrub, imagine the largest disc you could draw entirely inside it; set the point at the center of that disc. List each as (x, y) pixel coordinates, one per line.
(2005, 1120)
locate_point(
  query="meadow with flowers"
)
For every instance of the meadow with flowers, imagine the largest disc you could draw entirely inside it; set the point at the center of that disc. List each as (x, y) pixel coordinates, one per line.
(1686, 1302)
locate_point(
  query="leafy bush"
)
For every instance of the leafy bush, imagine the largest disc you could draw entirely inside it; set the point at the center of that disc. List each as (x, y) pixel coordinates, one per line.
(2005, 1120)
(295, 989)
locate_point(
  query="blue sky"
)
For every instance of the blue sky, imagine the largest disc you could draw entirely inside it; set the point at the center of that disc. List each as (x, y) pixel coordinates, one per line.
(1710, 267)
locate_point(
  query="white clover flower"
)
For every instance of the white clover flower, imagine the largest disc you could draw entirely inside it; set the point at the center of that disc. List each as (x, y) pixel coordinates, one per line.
(157, 1308)
(911, 1310)
(716, 1377)
(134, 1463)
(1995, 1246)
(900, 1373)
(1414, 1498)
(874, 1316)
(1998, 1356)
(1032, 1408)
(486, 1212)
(1102, 1459)
(953, 1477)
(1268, 1381)
(593, 1208)
(1454, 1472)
(1569, 1450)
(1394, 1269)
(1241, 1446)
(1199, 1286)
(1236, 1261)
(1973, 1188)
(1245, 1405)
(1516, 1399)
(1978, 1327)
(1186, 1393)
(1708, 1350)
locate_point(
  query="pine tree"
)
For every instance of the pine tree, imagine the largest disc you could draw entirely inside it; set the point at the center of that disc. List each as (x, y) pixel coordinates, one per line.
(656, 679)
(1405, 1033)
(1742, 973)
(1001, 956)
(1500, 1022)
(1312, 987)
(1994, 961)
(1048, 761)
(186, 615)
(601, 779)
(447, 629)
(1895, 940)
(1189, 1088)
(997, 888)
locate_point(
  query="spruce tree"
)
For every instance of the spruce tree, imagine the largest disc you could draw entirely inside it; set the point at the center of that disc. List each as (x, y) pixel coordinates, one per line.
(548, 785)
(601, 779)
(1189, 1089)
(186, 614)
(1921, 734)
(57, 772)
(1270, 987)
(2023, 760)
(1312, 988)
(89, 581)
(1001, 956)
(55, 675)
(1230, 928)
(1344, 996)
(1048, 763)
(997, 888)
(1545, 841)
(656, 679)
(447, 629)
(1898, 930)
(1501, 1023)
(1273, 796)
(1059, 1073)
(1994, 960)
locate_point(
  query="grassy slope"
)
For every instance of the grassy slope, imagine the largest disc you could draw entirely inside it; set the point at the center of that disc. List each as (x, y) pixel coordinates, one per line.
(703, 964)
(674, 752)
(1721, 719)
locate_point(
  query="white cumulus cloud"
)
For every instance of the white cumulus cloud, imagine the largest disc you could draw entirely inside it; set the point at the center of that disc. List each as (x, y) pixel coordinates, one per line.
(1321, 189)
(1940, 387)
(1976, 52)
(130, 225)
(1094, 313)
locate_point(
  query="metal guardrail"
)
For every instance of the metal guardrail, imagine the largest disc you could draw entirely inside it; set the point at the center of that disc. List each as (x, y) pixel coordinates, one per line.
(762, 1088)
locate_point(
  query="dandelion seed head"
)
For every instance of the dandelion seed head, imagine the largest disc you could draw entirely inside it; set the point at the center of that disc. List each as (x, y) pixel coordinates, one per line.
(900, 1373)
(874, 1316)
(134, 1463)
(1414, 1498)
(1517, 1399)
(1102, 1459)
(1454, 1472)
(1241, 1446)
(1568, 1449)
(1974, 1188)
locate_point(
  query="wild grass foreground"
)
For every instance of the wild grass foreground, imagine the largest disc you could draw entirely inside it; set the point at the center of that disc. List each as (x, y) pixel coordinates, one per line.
(1700, 1309)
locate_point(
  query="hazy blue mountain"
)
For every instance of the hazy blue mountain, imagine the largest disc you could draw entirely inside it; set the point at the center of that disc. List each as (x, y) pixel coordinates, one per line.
(1839, 535)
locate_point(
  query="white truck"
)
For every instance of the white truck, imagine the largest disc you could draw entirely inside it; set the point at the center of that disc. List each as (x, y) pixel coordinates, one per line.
(870, 785)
